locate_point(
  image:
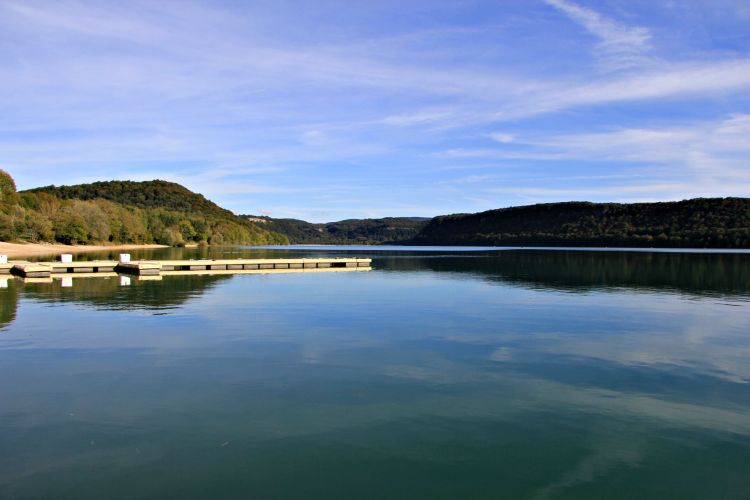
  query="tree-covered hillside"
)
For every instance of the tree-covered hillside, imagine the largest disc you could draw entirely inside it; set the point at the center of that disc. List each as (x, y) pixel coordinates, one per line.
(698, 223)
(167, 213)
(346, 232)
(121, 212)
(147, 194)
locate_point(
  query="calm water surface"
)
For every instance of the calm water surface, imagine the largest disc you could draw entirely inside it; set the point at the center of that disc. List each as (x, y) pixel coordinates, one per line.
(438, 374)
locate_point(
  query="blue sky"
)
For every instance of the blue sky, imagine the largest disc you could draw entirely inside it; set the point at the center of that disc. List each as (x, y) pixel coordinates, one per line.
(325, 110)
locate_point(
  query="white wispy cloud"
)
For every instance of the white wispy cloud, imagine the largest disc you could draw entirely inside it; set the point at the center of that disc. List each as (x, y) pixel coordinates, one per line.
(619, 45)
(677, 81)
(695, 159)
(418, 118)
(587, 193)
(503, 137)
(708, 150)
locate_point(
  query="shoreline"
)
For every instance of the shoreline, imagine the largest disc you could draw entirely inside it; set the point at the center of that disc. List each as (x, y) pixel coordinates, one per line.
(14, 250)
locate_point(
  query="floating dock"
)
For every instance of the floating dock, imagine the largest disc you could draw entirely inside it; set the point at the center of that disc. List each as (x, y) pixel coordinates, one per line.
(171, 267)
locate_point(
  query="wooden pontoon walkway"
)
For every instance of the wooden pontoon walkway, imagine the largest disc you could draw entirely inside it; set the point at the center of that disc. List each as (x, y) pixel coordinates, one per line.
(159, 267)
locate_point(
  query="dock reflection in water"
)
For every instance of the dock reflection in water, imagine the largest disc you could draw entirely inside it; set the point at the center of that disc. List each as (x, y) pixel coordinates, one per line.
(441, 374)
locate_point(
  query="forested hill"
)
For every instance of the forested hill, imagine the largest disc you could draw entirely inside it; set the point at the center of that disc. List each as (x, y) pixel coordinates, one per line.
(697, 223)
(168, 213)
(345, 232)
(147, 194)
(122, 212)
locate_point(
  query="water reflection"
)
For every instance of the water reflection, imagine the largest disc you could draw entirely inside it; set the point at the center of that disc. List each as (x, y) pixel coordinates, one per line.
(117, 292)
(8, 301)
(701, 274)
(711, 273)
(435, 376)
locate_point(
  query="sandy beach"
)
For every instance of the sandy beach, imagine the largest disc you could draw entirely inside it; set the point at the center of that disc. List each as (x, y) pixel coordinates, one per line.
(16, 250)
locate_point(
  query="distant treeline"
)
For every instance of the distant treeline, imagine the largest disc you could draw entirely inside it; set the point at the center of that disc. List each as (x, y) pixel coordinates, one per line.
(697, 223)
(121, 212)
(167, 213)
(345, 232)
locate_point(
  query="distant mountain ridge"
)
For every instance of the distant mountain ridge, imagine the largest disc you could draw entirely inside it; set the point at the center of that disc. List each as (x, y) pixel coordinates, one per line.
(345, 232)
(168, 213)
(696, 223)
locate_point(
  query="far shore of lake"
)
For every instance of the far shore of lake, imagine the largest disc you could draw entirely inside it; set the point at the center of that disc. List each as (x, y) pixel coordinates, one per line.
(15, 250)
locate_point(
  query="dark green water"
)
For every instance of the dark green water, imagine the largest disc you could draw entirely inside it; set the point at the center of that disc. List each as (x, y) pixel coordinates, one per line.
(438, 374)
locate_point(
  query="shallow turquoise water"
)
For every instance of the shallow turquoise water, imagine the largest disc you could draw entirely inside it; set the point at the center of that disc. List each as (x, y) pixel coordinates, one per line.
(438, 374)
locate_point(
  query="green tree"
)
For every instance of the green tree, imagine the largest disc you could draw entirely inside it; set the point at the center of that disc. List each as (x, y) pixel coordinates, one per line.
(35, 227)
(187, 230)
(69, 227)
(8, 194)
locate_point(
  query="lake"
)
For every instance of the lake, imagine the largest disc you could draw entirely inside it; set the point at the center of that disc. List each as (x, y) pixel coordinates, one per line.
(441, 373)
